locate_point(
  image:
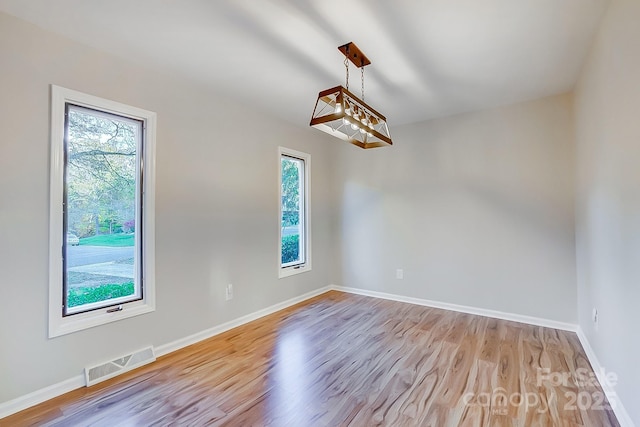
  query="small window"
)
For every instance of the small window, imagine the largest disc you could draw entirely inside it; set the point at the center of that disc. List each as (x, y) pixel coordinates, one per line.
(294, 241)
(101, 228)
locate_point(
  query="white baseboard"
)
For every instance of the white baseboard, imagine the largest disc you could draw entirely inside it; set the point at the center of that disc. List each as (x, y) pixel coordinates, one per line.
(462, 309)
(208, 333)
(39, 396)
(621, 414)
(23, 402)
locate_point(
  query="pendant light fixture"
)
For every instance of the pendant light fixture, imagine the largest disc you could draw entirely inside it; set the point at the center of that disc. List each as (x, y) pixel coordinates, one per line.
(340, 113)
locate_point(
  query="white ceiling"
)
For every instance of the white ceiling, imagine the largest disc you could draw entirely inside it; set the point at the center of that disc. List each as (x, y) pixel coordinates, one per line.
(429, 58)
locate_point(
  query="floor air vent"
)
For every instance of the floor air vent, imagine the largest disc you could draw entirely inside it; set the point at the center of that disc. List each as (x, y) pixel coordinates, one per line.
(104, 371)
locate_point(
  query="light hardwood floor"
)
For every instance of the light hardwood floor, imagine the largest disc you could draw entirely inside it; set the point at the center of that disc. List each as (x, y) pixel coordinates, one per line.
(341, 359)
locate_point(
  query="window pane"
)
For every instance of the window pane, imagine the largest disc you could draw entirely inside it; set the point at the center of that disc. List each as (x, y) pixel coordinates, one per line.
(101, 212)
(292, 221)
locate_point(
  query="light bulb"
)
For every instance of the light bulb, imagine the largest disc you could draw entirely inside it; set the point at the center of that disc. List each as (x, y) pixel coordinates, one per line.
(354, 127)
(338, 108)
(362, 131)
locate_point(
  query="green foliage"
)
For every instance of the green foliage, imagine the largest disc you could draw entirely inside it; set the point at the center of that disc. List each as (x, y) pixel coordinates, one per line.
(113, 240)
(290, 248)
(290, 191)
(290, 218)
(110, 225)
(101, 173)
(86, 295)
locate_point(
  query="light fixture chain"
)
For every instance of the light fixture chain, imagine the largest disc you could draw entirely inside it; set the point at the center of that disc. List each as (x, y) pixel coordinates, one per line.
(362, 80)
(346, 66)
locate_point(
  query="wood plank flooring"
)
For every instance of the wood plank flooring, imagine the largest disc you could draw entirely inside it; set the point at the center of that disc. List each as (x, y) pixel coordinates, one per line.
(348, 360)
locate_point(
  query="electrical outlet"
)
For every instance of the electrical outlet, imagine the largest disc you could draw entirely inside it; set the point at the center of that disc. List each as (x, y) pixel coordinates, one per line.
(229, 292)
(399, 273)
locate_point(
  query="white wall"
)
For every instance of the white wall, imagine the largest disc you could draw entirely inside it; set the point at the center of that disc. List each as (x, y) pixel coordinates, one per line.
(608, 198)
(477, 209)
(216, 216)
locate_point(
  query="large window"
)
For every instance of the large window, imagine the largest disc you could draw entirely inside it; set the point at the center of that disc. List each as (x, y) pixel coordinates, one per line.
(101, 229)
(295, 247)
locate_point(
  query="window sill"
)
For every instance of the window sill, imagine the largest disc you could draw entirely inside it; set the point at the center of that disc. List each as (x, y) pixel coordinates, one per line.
(292, 271)
(65, 325)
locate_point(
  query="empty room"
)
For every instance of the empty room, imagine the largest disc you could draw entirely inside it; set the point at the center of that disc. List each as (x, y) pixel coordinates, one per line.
(320, 213)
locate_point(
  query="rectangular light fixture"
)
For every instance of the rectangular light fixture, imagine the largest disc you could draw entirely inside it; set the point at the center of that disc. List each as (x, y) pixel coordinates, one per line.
(340, 113)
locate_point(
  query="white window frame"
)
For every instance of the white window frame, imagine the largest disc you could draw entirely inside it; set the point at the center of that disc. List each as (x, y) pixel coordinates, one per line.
(58, 323)
(306, 200)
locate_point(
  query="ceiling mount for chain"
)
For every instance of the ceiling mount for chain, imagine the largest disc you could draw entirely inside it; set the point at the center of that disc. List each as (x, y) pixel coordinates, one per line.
(354, 54)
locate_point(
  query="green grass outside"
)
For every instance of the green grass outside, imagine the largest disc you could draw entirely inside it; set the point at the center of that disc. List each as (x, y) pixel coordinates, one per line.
(86, 295)
(113, 240)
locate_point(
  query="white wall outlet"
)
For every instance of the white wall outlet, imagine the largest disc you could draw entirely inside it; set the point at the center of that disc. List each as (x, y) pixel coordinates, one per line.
(399, 273)
(229, 292)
